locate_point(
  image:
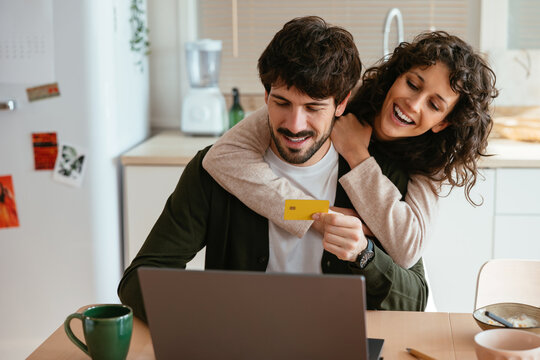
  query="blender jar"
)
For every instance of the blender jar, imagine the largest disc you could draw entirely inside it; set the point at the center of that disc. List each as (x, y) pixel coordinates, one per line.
(203, 61)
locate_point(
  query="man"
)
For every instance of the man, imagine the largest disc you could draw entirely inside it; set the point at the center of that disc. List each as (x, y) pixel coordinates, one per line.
(308, 70)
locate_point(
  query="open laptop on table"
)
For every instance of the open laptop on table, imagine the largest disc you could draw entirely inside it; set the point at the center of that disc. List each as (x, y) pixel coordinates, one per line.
(248, 315)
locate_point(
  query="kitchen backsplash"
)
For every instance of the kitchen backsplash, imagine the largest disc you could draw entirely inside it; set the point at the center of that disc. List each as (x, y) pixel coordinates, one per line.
(249, 102)
(518, 76)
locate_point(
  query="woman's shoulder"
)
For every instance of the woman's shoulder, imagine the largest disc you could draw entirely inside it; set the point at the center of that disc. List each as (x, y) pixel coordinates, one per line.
(391, 168)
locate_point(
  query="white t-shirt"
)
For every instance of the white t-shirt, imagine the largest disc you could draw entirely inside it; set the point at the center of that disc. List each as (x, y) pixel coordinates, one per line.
(288, 253)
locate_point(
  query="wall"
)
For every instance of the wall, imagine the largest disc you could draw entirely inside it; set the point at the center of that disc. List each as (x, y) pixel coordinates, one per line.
(518, 70)
(164, 63)
(173, 22)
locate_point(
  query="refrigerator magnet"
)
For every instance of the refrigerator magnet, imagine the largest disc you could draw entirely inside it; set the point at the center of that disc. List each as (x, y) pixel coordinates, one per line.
(8, 207)
(43, 92)
(70, 165)
(45, 150)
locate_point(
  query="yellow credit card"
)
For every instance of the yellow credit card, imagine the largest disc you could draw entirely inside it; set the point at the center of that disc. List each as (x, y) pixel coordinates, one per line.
(304, 209)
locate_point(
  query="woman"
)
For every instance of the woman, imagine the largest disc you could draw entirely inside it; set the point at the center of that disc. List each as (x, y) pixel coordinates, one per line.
(426, 108)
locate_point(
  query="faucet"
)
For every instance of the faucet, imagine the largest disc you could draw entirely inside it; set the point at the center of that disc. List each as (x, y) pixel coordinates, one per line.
(394, 12)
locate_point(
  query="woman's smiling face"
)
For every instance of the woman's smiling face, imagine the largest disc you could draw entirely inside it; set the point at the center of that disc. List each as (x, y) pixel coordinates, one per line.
(418, 101)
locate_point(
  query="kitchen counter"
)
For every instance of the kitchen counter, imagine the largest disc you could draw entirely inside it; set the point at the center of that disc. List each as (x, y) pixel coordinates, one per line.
(511, 154)
(166, 148)
(174, 148)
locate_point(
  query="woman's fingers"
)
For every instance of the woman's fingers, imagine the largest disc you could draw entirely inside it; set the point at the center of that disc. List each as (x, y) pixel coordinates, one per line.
(351, 139)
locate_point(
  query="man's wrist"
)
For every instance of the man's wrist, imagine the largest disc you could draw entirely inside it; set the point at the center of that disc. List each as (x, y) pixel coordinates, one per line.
(365, 256)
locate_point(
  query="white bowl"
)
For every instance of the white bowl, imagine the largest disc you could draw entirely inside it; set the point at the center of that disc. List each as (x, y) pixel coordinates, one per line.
(507, 344)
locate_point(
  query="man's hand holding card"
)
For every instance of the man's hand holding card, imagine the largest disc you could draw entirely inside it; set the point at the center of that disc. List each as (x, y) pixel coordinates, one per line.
(343, 232)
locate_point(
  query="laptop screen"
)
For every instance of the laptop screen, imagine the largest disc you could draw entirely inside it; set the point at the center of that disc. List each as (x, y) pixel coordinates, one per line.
(250, 315)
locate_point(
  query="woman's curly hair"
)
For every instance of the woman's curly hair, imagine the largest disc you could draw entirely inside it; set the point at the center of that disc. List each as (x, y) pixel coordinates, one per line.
(450, 155)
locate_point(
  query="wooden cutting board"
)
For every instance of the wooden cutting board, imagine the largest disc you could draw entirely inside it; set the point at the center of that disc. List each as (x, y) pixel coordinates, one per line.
(517, 123)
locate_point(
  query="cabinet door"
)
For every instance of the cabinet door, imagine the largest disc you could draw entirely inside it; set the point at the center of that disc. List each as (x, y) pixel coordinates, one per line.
(518, 192)
(460, 244)
(517, 220)
(517, 237)
(146, 189)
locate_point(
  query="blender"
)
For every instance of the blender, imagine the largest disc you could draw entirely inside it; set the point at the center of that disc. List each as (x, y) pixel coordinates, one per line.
(203, 109)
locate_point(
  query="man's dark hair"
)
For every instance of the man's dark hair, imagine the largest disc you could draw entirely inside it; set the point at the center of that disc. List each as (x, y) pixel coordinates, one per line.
(318, 59)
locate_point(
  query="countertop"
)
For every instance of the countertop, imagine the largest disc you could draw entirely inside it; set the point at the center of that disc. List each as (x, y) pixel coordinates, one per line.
(172, 148)
(166, 148)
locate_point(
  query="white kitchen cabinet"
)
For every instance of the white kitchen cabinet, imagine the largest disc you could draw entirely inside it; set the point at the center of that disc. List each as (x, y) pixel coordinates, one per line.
(517, 237)
(461, 242)
(518, 191)
(151, 172)
(146, 191)
(517, 214)
(507, 225)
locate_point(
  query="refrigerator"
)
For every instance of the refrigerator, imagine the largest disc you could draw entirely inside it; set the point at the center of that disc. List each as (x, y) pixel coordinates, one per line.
(68, 68)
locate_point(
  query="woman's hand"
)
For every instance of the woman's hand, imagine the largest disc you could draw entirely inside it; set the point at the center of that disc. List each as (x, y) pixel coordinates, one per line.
(351, 139)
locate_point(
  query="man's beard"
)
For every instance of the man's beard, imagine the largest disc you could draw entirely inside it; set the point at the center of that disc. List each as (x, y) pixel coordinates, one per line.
(298, 156)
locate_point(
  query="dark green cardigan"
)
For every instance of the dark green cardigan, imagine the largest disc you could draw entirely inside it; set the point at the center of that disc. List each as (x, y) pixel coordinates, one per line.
(201, 213)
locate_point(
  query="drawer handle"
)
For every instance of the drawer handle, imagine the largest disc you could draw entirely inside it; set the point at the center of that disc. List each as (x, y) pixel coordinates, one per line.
(8, 105)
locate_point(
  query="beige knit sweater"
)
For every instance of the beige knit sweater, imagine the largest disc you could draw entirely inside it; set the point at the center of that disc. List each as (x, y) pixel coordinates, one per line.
(236, 163)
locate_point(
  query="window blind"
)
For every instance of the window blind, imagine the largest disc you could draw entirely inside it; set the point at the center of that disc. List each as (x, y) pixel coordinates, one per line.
(259, 20)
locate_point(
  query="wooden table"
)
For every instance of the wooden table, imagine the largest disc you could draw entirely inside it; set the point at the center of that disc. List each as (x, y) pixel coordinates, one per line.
(440, 335)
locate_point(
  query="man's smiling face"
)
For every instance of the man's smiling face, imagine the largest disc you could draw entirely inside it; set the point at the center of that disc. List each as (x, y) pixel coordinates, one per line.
(300, 125)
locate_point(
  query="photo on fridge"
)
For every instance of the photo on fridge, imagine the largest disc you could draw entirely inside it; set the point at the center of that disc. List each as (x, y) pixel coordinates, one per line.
(70, 165)
(8, 207)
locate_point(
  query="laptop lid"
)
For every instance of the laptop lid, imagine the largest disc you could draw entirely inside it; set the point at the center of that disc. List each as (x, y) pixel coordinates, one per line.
(250, 315)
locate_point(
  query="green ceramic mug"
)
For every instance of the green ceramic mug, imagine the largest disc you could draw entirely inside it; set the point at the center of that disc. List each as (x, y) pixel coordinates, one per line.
(107, 330)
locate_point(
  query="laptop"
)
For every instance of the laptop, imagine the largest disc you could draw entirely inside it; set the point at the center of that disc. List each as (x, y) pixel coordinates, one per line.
(251, 315)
